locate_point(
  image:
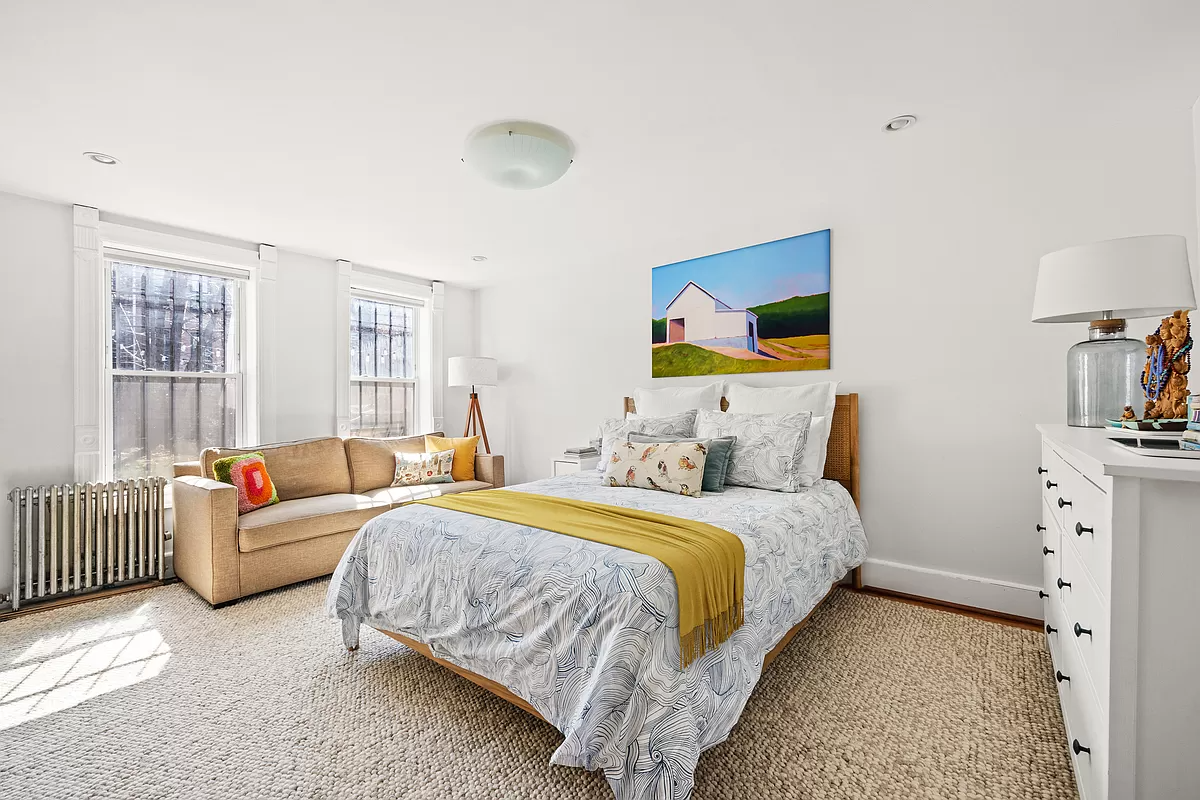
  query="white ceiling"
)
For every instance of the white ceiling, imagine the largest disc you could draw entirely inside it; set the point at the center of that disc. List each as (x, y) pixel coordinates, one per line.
(337, 128)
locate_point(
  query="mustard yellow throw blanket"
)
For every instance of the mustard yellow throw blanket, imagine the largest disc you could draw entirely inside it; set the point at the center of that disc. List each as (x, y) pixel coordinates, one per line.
(709, 563)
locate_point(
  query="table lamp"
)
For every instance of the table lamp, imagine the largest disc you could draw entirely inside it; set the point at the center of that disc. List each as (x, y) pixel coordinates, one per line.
(1104, 284)
(468, 371)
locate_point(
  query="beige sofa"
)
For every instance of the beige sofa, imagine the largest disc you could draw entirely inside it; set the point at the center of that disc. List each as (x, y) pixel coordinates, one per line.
(328, 488)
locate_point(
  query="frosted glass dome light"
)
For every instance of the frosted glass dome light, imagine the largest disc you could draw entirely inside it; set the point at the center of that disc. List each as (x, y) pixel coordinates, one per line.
(519, 155)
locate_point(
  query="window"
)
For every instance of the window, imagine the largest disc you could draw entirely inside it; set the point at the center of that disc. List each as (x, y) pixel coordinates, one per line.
(383, 367)
(174, 379)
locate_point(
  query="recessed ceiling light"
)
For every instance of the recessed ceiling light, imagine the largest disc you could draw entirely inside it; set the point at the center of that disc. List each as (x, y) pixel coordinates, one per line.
(899, 123)
(479, 258)
(102, 158)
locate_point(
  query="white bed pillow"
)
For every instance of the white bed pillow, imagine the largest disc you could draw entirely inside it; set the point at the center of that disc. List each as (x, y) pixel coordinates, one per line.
(614, 430)
(769, 451)
(674, 399)
(819, 398)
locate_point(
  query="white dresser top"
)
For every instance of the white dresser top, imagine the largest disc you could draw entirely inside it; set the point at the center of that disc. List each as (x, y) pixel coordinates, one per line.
(1092, 445)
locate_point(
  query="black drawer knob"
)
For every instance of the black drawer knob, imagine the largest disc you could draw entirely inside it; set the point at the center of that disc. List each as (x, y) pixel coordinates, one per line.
(1050, 485)
(1042, 471)
(1041, 528)
(1046, 551)
(1049, 629)
(1080, 530)
(1078, 748)
(1064, 584)
(1062, 502)
(1080, 630)
(1058, 676)
(1042, 594)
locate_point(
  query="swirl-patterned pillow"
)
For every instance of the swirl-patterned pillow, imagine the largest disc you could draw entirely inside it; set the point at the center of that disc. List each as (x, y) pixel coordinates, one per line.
(676, 467)
(613, 430)
(769, 451)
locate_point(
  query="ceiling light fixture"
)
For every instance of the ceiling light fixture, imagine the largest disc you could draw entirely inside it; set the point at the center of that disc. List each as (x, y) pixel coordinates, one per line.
(102, 158)
(899, 123)
(519, 155)
(479, 258)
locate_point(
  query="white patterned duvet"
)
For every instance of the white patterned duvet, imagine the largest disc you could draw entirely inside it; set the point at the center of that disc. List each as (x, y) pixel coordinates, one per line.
(587, 633)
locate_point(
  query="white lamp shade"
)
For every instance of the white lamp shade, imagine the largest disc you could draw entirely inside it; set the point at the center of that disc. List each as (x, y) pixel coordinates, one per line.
(519, 155)
(465, 371)
(1142, 276)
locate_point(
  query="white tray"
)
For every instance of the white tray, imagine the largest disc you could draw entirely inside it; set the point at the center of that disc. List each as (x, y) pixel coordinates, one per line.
(1161, 452)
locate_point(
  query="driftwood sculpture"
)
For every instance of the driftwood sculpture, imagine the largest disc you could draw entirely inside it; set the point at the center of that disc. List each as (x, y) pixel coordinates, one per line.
(1168, 360)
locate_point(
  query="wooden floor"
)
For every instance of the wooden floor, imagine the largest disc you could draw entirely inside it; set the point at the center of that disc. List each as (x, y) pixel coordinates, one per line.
(1011, 620)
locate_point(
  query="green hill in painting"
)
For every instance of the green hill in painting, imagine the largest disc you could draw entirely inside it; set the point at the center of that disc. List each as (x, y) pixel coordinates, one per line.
(672, 360)
(796, 316)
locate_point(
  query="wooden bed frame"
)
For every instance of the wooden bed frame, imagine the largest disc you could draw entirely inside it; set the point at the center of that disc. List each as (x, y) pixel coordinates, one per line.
(841, 465)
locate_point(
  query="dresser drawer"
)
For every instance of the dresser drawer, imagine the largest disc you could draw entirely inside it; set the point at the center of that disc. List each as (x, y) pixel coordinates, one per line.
(1050, 478)
(1086, 726)
(1083, 606)
(1086, 527)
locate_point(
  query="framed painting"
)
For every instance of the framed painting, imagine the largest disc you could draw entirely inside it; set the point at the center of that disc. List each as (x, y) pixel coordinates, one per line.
(763, 308)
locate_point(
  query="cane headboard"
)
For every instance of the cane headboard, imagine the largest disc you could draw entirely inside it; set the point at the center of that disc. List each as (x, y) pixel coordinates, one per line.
(841, 459)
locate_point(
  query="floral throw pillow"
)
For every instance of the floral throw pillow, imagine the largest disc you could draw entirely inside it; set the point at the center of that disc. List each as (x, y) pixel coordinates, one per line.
(614, 430)
(769, 451)
(248, 474)
(415, 469)
(676, 467)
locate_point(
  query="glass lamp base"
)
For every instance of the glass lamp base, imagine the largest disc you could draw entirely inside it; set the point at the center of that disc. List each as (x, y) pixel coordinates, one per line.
(1104, 375)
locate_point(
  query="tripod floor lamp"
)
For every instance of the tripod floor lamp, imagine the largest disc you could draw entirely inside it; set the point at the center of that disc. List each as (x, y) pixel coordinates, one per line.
(465, 371)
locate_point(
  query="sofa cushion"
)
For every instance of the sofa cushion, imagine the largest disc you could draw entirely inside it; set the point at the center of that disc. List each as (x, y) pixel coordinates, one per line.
(306, 518)
(399, 495)
(372, 462)
(298, 469)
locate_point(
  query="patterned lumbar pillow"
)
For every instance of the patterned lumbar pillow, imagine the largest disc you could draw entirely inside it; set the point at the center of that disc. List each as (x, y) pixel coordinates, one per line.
(716, 464)
(414, 469)
(614, 430)
(249, 474)
(666, 466)
(769, 451)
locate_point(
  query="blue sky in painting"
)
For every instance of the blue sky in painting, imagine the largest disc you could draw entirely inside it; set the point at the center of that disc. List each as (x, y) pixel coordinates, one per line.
(750, 276)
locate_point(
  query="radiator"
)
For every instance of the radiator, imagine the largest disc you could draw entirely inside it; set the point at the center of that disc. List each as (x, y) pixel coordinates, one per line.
(74, 538)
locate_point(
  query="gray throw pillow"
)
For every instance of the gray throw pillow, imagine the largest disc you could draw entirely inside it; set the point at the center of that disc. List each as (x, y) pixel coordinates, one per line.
(612, 430)
(769, 451)
(715, 466)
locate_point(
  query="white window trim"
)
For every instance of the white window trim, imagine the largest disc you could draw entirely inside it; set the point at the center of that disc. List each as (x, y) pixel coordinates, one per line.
(92, 400)
(428, 298)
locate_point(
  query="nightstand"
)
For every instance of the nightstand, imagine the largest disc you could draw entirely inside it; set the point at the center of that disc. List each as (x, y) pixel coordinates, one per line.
(560, 466)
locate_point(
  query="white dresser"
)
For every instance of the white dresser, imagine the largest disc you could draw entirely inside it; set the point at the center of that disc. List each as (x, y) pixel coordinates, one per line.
(1121, 586)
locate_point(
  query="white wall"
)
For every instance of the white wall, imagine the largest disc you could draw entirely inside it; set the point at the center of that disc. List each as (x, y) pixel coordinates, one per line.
(36, 339)
(460, 337)
(306, 347)
(934, 258)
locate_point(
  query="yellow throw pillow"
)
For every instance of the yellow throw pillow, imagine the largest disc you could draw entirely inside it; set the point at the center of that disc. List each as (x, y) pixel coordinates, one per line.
(463, 468)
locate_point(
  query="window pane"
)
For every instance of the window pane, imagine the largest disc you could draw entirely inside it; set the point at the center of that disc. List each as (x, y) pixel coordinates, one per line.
(159, 420)
(170, 320)
(382, 339)
(382, 408)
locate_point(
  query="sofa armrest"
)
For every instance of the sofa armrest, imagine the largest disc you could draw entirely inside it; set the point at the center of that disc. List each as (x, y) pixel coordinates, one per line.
(489, 469)
(188, 468)
(206, 537)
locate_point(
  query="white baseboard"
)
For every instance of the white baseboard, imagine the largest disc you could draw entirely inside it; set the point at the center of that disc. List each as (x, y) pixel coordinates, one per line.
(950, 587)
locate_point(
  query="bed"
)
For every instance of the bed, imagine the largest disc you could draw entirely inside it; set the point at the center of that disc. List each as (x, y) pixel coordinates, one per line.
(584, 635)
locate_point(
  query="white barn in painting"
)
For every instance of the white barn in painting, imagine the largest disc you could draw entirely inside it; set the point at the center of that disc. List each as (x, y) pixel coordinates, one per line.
(695, 316)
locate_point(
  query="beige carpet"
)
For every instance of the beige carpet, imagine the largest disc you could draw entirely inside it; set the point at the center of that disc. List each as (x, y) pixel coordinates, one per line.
(155, 695)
